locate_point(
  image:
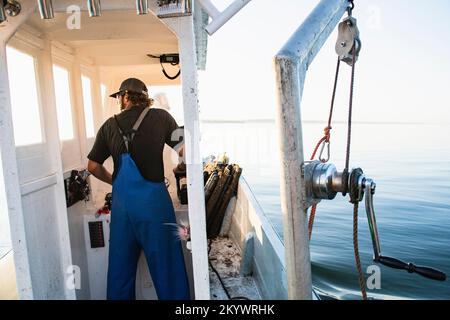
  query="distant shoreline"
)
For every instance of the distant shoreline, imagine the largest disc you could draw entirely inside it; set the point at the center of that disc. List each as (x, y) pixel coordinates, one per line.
(319, 122)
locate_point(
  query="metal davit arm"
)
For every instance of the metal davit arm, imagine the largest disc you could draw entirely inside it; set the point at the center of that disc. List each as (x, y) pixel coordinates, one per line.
(220, 18)
(291, 64)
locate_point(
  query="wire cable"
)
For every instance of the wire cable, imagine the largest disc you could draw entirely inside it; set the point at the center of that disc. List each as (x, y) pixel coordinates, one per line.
(350, 111)
(325, 139)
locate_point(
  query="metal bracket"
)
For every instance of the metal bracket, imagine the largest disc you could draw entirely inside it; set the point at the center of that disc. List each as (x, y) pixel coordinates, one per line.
(220, 18)
(308, 168)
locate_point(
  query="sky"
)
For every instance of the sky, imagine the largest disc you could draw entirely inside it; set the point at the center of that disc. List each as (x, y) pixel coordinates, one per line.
(403, 73)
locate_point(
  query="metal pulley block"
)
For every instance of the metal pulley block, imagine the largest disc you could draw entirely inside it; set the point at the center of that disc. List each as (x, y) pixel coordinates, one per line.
(348, 38)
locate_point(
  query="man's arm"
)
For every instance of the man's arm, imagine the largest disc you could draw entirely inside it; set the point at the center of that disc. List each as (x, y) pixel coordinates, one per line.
(99, 171)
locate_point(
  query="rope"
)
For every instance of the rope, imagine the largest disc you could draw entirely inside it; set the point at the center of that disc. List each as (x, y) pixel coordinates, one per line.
(327, 130)
(362, 280)
(325, 139)
(350, 111)
(312, 215)
(334, 92)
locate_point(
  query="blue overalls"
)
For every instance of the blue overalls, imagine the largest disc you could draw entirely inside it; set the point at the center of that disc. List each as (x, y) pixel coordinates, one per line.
(141, 217)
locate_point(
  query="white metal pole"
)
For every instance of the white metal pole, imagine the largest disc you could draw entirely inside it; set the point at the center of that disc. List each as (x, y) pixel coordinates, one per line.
(183, 27)
(210, 8)
(196, 195)
(219, 20)
(61, 223)
(12, 185)
(9, 159)
(291, 64)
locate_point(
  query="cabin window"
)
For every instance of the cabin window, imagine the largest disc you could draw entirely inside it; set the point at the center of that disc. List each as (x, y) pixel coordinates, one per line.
(24, 98)
(63, 103)
(88, 111)
(103, 91)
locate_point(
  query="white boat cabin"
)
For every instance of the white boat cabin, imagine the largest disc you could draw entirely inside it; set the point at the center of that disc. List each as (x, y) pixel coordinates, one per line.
(55, 79)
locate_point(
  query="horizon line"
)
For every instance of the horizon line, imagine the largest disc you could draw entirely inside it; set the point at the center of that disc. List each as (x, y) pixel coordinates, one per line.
(321, 121)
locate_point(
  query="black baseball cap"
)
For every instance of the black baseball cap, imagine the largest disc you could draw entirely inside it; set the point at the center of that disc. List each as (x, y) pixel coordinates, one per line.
(132, 85)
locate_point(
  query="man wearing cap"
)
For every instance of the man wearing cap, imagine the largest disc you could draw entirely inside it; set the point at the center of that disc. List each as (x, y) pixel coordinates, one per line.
(142, 214)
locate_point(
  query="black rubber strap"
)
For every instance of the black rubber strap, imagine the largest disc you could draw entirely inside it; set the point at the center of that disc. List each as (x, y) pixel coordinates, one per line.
(129, 136)
(125, 138)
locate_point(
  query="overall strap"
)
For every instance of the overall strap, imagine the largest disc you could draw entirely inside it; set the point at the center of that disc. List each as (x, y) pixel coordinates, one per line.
(139, 121)
(129, 136)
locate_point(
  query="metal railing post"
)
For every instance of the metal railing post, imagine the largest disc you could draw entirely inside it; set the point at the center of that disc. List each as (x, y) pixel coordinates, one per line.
(291, 64)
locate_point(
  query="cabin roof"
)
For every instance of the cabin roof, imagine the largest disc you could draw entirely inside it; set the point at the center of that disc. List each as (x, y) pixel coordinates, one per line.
(118, 42)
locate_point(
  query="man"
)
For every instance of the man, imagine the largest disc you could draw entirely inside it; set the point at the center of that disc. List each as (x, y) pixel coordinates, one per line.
(142, 214)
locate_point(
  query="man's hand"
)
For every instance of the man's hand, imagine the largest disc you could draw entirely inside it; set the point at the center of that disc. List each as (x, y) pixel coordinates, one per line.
(181, 151)
(99, 171)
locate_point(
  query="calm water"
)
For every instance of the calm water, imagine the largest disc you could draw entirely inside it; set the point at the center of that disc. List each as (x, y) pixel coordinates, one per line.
(410, 164)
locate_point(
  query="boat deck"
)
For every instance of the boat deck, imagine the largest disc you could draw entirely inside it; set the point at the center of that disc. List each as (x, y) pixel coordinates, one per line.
(225, 257)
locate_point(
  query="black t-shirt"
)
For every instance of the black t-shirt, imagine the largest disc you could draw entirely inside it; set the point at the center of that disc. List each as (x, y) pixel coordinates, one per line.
(147, 146)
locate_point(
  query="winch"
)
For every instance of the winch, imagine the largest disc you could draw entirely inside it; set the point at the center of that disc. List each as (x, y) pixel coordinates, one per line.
(323, 182)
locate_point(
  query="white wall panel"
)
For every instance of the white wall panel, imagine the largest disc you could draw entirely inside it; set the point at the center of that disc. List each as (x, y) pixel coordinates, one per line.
(43, 244)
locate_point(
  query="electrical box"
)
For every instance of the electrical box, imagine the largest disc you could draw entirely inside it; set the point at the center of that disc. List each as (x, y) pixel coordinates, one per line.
(173, 58)
(96, 235)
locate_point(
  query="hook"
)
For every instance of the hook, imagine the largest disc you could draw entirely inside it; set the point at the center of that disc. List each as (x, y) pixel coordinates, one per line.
(351, 7)
(322, 150)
